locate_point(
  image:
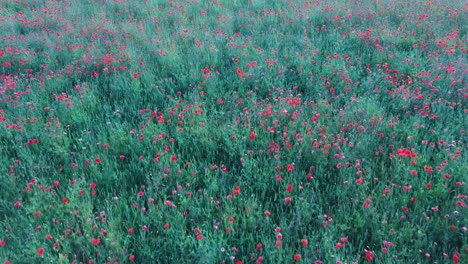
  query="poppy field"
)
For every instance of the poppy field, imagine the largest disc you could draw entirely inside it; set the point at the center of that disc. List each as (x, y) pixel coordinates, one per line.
(216, 131)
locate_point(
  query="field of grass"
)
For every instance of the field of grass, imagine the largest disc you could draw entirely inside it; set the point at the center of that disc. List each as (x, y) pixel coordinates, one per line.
(229, 131)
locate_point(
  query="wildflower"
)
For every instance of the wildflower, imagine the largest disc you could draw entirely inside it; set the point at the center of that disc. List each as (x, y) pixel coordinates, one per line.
(369, 255)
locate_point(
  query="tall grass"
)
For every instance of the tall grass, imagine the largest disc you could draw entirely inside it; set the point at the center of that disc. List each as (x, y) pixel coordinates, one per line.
(233, 132)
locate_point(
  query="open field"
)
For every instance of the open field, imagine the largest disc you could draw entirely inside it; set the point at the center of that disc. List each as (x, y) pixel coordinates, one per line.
(233, 131)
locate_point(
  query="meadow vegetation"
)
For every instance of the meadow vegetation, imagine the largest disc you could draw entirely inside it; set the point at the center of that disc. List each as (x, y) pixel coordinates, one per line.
(216, 131)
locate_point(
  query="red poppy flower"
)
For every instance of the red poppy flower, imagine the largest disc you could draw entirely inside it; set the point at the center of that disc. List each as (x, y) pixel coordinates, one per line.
(369, 255)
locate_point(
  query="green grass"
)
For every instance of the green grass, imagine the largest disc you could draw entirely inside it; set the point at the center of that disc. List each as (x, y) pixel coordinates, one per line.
(233, 132)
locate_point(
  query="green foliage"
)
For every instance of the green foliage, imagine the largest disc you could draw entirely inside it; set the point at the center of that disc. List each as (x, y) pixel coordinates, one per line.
(225, 131)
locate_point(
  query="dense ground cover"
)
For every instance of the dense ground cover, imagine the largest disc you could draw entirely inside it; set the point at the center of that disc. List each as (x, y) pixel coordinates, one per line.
(233, 131)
